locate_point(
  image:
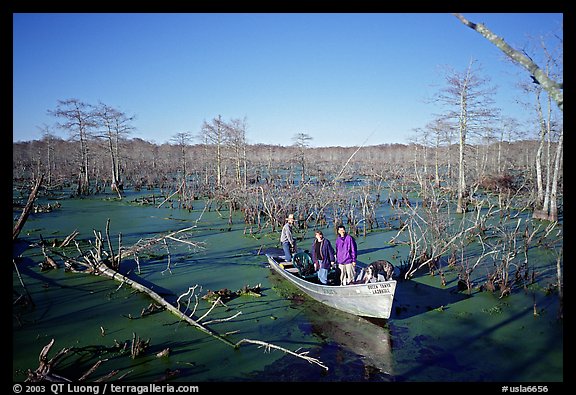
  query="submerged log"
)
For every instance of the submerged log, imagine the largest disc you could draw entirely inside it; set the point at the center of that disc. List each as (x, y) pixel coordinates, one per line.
(138, 346)
(48, 262)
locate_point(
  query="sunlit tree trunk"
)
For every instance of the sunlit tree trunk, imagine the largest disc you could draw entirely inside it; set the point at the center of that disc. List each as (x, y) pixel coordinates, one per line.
(546, 203)
(546, 179)
(543, 132)
(553, 215)
(437, 149)
(462, 127)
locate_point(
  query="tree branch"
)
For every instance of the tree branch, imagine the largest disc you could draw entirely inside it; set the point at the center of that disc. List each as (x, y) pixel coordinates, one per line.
(554, 89)
(268, 346)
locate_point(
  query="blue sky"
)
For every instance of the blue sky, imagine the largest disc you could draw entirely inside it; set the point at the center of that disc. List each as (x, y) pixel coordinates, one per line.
(343, 78)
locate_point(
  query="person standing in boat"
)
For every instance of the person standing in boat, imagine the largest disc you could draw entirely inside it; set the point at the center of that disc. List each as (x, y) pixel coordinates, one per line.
(286, 238)
(322, 256)
(346, 256)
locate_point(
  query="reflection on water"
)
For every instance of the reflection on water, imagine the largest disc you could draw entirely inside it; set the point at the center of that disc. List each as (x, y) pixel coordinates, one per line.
(370, 340)
(355, 348)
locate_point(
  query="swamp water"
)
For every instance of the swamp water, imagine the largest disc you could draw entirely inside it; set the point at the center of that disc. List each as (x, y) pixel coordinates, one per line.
(434, 334)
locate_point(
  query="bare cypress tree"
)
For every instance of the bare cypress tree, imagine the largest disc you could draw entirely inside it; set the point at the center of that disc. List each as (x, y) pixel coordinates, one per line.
(555, 90)
(113, 125)
(182, 140)
(78, 121)
(468, 100)
(442, 141)
(48, 138)
(508, 133)
(546, 207)
(301, 141)
(214, 134)
(236, 131)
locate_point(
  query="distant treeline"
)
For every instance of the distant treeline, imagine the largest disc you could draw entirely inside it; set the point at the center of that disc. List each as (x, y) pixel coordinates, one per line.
(143, 164)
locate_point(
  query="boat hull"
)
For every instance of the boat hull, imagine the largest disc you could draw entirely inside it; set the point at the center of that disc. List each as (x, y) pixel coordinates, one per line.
(365, 300)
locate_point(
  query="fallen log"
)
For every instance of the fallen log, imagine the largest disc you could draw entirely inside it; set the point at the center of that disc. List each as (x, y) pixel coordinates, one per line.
(26, 212)
(102, 268)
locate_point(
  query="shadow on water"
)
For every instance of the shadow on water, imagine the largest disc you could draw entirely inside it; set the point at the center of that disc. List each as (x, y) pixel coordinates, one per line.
(413, 298)
(470, 355)
(26, 267)
(18, 247)
(371, 250)
(81, 359)
(129, 268)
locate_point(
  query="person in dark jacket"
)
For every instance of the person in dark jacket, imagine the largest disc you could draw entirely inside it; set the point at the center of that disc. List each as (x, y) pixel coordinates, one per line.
(322, 256)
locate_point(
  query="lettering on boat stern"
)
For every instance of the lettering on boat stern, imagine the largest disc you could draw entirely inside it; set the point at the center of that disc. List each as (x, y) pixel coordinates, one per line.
(379, 288)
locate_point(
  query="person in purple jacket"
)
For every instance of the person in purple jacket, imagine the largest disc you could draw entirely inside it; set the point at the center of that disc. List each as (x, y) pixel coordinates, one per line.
(322, 256)
(346, 256)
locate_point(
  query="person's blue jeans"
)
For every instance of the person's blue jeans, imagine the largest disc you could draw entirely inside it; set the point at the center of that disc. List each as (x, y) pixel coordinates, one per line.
(287, 254)
(323, 275)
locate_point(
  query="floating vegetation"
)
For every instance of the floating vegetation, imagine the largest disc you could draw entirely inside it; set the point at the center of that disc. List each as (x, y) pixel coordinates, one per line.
(496, 309)
(225, 294)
